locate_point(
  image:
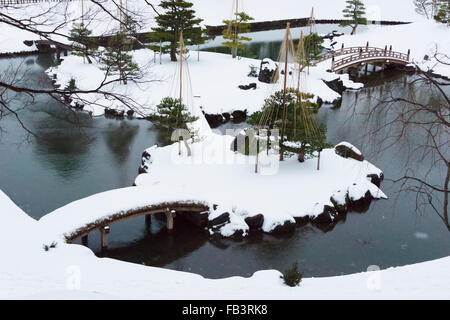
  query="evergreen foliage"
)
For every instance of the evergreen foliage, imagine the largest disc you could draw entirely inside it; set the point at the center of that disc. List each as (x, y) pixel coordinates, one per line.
(292, 277)
(302, 134)
(71, 85)
(354, 12)
(443, 13)
(117, 60)
(235, 27)
(172, 114)
(83, 44)
(178, 16)
(313, 44)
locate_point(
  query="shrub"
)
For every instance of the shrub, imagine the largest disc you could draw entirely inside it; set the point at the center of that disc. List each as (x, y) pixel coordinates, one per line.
(51, 246)
(253, 71)
(292, 277)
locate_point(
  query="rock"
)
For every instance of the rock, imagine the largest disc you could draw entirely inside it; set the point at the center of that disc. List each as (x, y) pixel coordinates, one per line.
(226, 117)
(328, 215)
(214, 120)
(223, 218)
(199, 219)
(375, 179)
(255, 222)
(248, 87)
(302, 220)
(239, 116)
(130, 113)
(360, 205)
(301, 157)
(286, 227)
(142, 169)
(267, 71)
(340, 206)
(319, 101)
(336, 85)
(346, 150)
(28, 43)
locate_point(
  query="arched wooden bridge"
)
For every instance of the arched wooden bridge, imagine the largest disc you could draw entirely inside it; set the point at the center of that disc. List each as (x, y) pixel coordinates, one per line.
(102, 225)
(355, 56)
(98, 212)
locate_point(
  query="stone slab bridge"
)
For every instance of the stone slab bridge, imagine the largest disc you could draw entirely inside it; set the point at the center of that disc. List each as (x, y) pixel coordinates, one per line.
(357, 56)
(98, 212)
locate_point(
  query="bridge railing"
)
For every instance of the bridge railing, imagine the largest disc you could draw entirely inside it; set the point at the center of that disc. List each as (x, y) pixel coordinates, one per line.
(370, 55)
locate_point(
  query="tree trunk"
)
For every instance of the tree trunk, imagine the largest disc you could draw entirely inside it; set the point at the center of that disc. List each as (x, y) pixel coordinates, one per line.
(234, 52)
(447, 180)
(173, 55)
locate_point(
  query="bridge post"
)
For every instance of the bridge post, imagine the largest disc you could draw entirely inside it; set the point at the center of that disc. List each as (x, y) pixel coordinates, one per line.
(367, 46)
(85, 240)
(148, 221)
(169, 216)
(104, 238)
(409, 53)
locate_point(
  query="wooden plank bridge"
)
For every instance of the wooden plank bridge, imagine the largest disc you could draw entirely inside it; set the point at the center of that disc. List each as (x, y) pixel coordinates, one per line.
(16, 2)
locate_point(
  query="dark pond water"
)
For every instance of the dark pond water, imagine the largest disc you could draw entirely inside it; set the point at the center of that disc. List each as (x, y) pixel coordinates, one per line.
(267, 44)
(80, 156)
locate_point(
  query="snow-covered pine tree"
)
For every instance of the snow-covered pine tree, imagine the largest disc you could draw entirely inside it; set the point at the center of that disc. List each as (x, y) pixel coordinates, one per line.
(116, 59)
(234, 27)
(443, 12)
(354, 11)
(82, 46)
(178, 16)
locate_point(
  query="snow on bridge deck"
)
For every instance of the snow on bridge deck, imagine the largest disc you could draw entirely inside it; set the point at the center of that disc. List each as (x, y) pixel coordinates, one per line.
(81, 217)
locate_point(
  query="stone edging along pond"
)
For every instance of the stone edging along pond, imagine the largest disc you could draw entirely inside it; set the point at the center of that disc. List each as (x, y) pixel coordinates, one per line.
(342, 202)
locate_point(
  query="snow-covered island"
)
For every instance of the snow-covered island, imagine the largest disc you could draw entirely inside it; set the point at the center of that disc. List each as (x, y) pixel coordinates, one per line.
(210, 180)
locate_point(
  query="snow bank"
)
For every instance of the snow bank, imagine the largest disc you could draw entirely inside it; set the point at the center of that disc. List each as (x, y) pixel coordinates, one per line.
(12, 40)
(73, 272)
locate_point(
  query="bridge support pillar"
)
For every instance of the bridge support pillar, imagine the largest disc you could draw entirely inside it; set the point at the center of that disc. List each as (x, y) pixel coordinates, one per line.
(366, 68)
(104, 237)
(169, 215)
(148, 221)
(85, 240)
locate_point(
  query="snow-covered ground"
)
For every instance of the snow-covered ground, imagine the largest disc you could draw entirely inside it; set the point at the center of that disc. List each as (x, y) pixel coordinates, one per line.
(215, 11)
(214, 82)
(74, 272)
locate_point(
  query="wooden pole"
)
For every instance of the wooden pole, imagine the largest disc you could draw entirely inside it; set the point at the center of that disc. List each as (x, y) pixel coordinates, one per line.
(181, 65)
(169, 217)
(160, 51)
(104, 238)
(85, 240)
(257, 152)
(148, 221)
(286, 39)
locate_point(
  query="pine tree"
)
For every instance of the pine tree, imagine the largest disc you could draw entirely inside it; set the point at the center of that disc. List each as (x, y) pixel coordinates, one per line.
(116, 59)
(235, 27)
(179, 16)
(83, 44)
(172, 114)
(355, 12)
(443, 13)
(313, 45)
(303, 135)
